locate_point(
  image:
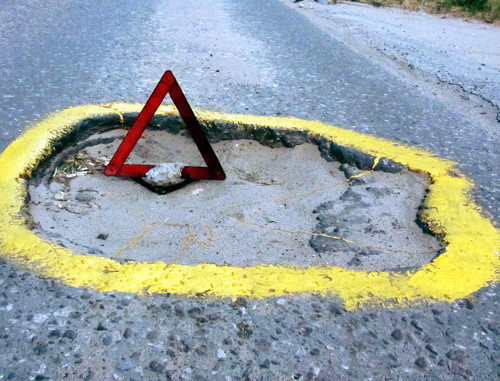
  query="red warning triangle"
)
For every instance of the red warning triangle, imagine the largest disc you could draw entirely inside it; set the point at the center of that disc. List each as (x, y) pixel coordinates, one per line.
(167, 84)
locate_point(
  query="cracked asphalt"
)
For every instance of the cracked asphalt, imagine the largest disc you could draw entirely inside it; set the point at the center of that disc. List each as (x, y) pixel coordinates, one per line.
(256, 57)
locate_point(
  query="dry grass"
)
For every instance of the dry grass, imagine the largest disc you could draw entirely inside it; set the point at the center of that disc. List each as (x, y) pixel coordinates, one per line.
(485, 10)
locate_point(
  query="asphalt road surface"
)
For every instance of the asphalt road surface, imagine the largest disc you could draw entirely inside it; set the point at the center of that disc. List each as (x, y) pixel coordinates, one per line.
(255, 57)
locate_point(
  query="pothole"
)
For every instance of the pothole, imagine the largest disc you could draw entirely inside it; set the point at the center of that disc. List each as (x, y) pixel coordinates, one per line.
(279, 205)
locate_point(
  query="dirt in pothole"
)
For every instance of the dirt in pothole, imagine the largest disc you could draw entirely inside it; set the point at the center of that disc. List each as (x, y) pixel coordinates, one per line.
(280, 206)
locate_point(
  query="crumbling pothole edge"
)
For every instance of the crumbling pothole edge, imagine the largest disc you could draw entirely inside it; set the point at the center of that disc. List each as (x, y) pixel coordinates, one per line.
(469, 263)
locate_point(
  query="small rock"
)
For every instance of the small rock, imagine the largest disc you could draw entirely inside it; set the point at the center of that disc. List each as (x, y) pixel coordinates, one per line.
(61, 196)
(40, 348)
(335, 310)
(153, 335)
(70, 334)
(421, 363)
(55, 333)
(193, 312)
(106, 340)
(244, 331)
(456, 355)
(73, 207)
(179, 312)
(127, 333)
(494, 327)
(355, 261)
(165, 174)
(75, 315)
(201, 350)
(124, 366)
(431, 349)
(84, 197)
(103, 236)
(397, 334)
(265, 364)
(156, 366)
(416, 324)
(240, 302)
(90, 375)
(101, 327)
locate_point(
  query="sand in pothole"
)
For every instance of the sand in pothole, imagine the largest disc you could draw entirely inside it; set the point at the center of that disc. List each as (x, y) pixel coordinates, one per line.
(280, 206)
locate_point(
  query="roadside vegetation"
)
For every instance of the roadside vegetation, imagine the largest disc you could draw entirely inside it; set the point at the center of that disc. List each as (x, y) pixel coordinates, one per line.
(486, 10)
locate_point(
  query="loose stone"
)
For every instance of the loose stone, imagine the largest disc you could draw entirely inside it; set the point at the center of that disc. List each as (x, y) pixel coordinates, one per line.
(127, 333)
(397, 334)
(155, 366)
(153, 335)
(124, 366)
(70, 334)
(421, 362)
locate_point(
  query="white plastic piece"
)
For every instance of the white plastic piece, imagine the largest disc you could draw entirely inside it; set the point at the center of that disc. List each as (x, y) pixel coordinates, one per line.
(165, 174)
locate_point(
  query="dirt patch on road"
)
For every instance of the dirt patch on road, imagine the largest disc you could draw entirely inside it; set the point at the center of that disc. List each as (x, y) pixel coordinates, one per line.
(279, 205)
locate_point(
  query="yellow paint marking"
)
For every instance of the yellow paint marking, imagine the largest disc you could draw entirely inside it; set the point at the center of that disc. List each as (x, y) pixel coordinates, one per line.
(469, 263)
(364, 245)
(359, 175)
(243, 221)
(134, 241)
(375, 162)
(193, 238)
(117, 111)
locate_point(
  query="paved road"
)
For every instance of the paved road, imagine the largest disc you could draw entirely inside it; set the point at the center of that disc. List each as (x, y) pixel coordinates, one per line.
(255, 57)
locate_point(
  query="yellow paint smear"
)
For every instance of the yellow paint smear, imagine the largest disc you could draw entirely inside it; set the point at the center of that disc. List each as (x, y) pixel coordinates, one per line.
(469, 263)
(135, 241)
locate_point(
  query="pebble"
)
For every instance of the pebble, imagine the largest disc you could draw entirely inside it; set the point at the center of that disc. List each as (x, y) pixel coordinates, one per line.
(84, 197)
(421, 363)
(90, 375)
(431, 349)
(416, 325)
(201, 350)
(397, 334)
(156, 366)
(124, 365)
(265, 364)
(74, 208)
(40, 348)
(153, 335)
(456, 355)
(106, 340)
(55, 333)
(61, 196)
(101, 327)
(127, 333)
(70, 334)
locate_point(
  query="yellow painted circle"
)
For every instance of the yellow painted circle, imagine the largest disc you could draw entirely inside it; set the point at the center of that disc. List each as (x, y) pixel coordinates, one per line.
(469, 263)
